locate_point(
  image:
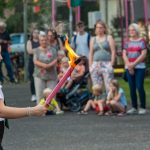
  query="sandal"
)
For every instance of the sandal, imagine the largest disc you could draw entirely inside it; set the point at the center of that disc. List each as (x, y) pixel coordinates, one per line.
(100, 113)
(109, 113)
(121, 114)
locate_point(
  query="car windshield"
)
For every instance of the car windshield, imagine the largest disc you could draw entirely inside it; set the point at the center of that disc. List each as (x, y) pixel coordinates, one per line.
(17, 39)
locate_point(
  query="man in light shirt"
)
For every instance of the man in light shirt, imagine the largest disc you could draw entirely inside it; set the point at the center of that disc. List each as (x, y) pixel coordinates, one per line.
(80, 42)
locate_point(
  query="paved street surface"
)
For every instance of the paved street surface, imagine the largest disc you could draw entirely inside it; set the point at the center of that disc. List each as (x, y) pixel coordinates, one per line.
(71, 131)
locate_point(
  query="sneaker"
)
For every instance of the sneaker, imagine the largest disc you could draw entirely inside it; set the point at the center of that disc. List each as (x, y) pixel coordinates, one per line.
(82, 112)
(59, 112)
(33, 98)
(132, 111)
(142, 111)
(121, 114)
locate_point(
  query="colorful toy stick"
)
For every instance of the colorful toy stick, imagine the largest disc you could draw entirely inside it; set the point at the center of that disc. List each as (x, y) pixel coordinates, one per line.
(74, 60)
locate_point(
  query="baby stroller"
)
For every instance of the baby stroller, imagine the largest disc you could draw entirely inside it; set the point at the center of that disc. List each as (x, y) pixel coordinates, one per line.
(76, 96)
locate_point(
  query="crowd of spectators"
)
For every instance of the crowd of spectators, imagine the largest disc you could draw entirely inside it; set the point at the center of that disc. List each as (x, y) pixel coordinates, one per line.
(48, 62)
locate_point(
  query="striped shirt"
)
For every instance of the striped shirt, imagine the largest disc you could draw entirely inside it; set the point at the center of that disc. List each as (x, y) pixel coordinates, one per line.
(134, 49)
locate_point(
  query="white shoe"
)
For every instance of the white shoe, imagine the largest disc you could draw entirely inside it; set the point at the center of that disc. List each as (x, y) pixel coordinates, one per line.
(132, 111)
(59, 112)
(142, 111)
(33, 98)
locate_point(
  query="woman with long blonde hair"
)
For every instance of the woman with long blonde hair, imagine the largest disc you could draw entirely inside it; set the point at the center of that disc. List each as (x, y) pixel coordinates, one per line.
(116, 99)
(102, 55)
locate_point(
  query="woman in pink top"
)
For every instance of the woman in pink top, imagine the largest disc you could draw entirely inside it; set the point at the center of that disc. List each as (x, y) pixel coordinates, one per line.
(134, 54)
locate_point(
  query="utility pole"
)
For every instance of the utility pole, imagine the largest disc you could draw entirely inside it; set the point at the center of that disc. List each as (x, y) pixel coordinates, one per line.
(132, 10)
(126, 16)
(70, 21)
(25, 5)
(53, 13)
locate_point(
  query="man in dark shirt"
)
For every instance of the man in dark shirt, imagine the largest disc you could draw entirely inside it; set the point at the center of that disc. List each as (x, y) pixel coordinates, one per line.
(4, 41)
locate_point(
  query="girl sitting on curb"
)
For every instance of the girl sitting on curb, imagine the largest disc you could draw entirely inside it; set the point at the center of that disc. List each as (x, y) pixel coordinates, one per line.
(116, 99)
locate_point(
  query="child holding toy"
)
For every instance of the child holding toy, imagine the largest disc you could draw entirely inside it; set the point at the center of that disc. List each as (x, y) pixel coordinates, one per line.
(53, 107)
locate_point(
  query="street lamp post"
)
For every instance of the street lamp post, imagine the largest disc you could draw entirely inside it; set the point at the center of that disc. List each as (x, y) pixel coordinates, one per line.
(70, 21)
(53, 13)
(25, 5)
(126, 15)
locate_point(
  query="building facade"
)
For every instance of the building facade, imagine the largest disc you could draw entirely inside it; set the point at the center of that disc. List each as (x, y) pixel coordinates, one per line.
(114, 8)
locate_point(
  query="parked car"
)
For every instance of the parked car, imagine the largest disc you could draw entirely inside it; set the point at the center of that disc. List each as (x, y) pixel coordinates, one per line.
(17, 42)
(17, 49)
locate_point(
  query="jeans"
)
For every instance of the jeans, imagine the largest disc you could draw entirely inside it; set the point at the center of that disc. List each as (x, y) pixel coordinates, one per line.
(8, 64)
(136, 82)
(31, 70)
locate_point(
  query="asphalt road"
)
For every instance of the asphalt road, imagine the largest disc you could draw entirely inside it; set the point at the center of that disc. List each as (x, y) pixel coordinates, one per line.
(71, 131)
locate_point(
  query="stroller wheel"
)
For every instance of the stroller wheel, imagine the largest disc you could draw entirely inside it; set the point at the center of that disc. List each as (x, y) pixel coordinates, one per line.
(74, 106)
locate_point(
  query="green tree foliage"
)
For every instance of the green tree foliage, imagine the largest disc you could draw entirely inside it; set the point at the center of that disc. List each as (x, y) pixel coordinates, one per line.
(2, 5)
(15, 21)
(84, 11)
(43, 16)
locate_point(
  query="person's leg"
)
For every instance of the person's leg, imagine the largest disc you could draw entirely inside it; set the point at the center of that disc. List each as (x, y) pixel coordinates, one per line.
(139, 76)
(132, 86)
(1, 133)
(100, 104)
(55, 104)
(95, 73)
(39, 87)
(93, 104)
(8, 64)
(88, 105)
(107, 73)
(31, 70)
(117, 107)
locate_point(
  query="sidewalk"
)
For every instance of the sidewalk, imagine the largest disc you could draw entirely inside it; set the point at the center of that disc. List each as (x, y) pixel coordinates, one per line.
(71, 131)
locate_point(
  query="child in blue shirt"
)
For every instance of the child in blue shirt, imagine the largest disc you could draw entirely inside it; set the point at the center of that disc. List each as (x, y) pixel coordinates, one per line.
(116, 99)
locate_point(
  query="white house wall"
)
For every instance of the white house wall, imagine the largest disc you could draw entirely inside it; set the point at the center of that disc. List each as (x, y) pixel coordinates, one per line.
(112, 10)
